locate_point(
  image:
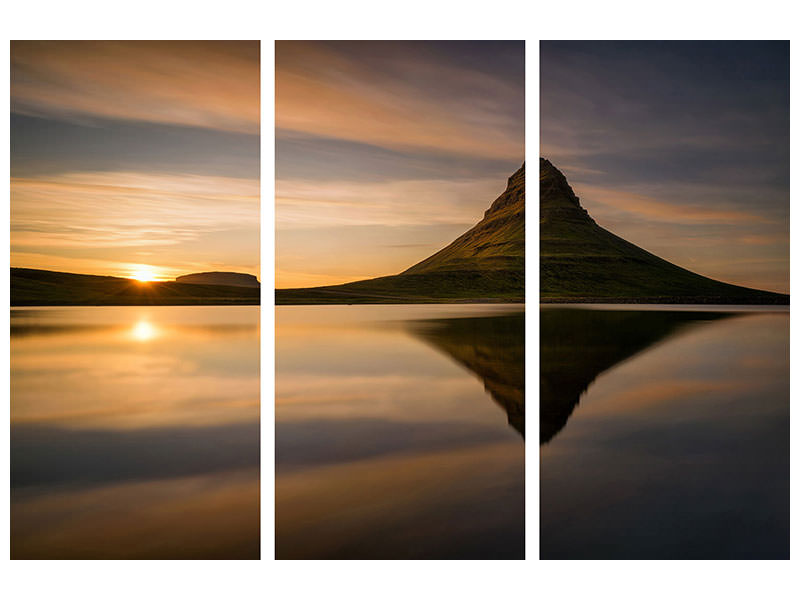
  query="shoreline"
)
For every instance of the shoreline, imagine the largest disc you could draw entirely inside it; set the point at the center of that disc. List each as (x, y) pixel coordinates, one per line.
(675, 300)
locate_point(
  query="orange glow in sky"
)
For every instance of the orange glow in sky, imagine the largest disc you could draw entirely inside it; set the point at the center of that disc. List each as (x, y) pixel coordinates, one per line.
(135, 159)
(387, 151)
(144, 273)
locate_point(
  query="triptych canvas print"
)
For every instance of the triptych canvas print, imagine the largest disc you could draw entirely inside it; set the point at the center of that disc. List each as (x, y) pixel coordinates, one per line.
(661, 260)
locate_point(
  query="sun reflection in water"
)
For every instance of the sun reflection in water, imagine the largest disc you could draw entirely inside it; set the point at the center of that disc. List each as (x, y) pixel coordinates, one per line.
(144, 331)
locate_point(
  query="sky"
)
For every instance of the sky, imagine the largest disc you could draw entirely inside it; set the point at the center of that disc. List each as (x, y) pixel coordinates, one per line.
(135, 157)
(679, 147)
(387, 151)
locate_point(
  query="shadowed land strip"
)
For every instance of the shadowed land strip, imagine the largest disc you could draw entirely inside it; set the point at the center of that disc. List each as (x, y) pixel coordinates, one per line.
(34, 287)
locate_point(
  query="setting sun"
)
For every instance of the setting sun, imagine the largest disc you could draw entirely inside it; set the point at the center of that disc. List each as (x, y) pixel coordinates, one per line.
(143, 274)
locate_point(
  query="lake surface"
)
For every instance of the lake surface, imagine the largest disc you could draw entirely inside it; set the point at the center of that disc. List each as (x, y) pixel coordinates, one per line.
(664, 432)
(135, 432)
(399, 431)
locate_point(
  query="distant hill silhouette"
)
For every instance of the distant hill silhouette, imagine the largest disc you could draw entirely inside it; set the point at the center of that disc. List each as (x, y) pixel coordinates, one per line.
(487, 263)
(582, 262)
(35, 287)
(220, 278)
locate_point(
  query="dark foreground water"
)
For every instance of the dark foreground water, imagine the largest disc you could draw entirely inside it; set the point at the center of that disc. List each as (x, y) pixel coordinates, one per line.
(135, 432)
(399, 432)
(664, 433)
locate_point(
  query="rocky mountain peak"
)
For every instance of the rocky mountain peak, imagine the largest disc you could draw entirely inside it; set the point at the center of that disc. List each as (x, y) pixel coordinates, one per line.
(514, 192)
(557, 198)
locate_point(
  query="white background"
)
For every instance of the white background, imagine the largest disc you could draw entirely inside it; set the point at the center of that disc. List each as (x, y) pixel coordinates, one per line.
(410, 19)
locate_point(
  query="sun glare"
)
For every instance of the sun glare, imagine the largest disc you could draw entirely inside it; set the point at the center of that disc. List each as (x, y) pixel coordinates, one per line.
(143, 274)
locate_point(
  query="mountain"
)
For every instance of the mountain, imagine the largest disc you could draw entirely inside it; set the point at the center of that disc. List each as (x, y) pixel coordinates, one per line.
(34, 287)
(582, 262)
(220, 278)
(485, 264)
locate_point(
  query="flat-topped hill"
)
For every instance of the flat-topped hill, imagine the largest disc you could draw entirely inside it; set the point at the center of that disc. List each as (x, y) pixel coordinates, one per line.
(220, 278)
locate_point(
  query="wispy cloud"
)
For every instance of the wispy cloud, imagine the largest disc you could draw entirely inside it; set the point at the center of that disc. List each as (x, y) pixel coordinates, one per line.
(398, 98)
(127, 209)
(304, 204)
(121, 264)
(679, 147)
(106, 223)
(387, 151)
(651, 208)
(200, 84)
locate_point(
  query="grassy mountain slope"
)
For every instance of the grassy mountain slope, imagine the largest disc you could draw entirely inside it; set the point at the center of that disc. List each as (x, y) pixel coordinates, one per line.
(487, 263)
(582, 262)
(34, 287)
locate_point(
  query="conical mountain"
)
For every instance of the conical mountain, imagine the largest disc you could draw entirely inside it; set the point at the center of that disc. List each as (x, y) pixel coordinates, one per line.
(582, 262)
(485, 264)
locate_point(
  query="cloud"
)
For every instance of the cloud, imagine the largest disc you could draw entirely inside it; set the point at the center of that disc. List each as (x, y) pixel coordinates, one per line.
(308, 204)
(112, 223)
(400, 98)
(127, 209)
(651, 208)
(118, 264)
(201, 84)
(386, 151)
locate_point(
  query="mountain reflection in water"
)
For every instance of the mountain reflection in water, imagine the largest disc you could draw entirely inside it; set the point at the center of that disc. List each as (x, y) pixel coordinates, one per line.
(389, 441)
(680, 446)
(491, 347)
(577, 345)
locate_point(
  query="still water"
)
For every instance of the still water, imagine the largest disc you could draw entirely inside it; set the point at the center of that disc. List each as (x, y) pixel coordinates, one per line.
(399, 431)
(135, 432)
(664, 433)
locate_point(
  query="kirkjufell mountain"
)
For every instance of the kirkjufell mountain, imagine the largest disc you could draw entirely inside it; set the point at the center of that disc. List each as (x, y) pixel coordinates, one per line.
(582, 262)
(485, 264)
